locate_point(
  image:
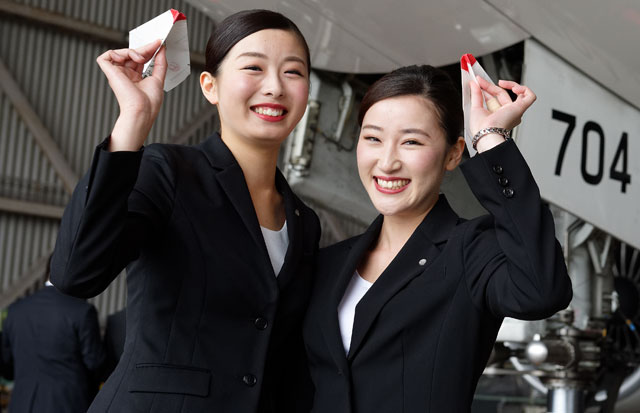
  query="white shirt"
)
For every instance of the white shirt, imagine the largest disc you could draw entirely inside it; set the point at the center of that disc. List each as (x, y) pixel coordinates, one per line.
(356, 289)
(277, 244)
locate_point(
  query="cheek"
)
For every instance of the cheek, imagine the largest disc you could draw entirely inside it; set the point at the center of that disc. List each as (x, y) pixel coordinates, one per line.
(425, 162)
(365, 159)
(234, 88)
(299, 90)
(243, 86)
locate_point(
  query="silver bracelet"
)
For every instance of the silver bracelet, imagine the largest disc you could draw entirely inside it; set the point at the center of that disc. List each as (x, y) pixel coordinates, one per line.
(506, 133)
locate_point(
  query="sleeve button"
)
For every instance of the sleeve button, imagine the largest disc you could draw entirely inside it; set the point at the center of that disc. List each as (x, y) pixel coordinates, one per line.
(508, 192)
(261, 323)
(250, 380)
(498, 169)
(503, 181)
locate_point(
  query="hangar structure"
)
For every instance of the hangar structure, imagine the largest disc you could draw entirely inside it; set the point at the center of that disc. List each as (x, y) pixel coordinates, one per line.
(55, 107)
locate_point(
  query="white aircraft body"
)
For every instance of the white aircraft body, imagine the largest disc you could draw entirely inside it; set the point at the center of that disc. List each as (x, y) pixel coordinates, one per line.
(581, 139)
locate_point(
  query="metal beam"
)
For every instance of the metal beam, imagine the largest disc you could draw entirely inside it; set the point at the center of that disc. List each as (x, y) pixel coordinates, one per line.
(30, 208)
(25, 281)
(81, 27)
(60, 21)
(37, 128)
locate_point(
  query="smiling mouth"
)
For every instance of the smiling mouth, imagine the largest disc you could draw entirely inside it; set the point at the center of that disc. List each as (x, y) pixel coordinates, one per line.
(271, 112)
(391, 185)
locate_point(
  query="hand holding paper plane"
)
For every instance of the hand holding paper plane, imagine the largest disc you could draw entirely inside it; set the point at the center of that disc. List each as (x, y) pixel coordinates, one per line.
(171, 28)
(500, 113)
(470, 68)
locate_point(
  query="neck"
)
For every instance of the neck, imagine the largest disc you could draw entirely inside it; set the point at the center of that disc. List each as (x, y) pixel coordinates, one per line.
(258, 164)
(396, 231)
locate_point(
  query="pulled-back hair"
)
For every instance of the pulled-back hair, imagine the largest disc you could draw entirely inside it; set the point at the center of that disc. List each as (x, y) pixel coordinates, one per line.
(426, 81)
(240, 25)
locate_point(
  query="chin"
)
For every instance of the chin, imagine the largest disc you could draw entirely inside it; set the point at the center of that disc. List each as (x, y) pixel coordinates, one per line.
(387, 210)
(271, 136)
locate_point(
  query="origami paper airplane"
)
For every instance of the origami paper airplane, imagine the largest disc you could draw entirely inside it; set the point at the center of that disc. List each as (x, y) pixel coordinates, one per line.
(171, 28)
(470, 68)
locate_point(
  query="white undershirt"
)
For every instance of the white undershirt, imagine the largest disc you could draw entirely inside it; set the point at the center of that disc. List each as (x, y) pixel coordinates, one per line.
(277, 244)
(356, 289)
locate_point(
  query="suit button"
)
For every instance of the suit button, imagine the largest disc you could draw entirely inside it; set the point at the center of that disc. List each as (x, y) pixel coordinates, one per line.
(498, 169)
(261, 323)
(250, 380)
(503, 181)
(508, 192)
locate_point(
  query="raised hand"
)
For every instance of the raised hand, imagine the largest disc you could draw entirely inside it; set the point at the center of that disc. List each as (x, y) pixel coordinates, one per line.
(507, 116)
(139, 98)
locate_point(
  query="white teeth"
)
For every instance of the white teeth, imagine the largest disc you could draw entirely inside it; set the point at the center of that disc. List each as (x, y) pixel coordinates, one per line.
(395, 184)
(268, 111)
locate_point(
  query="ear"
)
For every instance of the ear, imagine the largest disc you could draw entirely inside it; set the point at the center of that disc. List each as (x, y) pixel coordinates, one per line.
(455, 154)
(208, 87)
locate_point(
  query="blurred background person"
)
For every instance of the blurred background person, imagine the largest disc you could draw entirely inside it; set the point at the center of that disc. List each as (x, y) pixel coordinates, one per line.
(51, 348)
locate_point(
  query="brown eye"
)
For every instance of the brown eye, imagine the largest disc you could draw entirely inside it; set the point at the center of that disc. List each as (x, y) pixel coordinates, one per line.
(412, 142)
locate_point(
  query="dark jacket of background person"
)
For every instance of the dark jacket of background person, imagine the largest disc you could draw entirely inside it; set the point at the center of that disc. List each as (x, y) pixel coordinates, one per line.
(114, 336)
(424, 331)
(209, 326)
(53, 343)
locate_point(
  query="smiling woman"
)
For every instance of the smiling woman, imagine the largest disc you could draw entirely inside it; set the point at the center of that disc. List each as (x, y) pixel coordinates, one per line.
(218, 249)
(264, 77)
(407, 313)
(403, 151)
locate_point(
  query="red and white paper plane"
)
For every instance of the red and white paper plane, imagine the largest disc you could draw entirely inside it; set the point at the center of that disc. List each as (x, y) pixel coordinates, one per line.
(469, 69)
(171, 28)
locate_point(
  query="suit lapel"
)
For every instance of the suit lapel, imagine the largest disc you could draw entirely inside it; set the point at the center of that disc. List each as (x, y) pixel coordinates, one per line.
(346, 265)
(414, 258)
(231, 179)
(295, 231)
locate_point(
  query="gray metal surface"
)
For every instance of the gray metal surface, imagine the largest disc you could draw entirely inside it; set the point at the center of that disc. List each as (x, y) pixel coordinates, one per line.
(56, 71)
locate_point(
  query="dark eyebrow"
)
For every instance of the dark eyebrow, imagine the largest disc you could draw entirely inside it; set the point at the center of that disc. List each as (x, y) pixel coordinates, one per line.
(404, 131)
(264, 56)
(252, 54)
(416, 131)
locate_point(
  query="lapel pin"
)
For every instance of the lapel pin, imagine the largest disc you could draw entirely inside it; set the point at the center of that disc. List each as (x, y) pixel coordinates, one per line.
(297, 212)
(422, 261)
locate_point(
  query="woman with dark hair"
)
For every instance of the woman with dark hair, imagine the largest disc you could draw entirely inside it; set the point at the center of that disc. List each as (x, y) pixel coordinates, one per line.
(403, 317)
(218, 249)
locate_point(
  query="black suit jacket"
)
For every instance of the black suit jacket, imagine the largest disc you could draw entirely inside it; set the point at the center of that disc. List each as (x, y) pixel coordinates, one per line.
(423, 332)
(209, 326)
(114, 336)
(53, 343)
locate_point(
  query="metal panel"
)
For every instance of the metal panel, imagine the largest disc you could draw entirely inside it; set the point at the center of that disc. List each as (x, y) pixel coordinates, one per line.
(23, 241)
(376, 36)
(335, 226)
(57, 73)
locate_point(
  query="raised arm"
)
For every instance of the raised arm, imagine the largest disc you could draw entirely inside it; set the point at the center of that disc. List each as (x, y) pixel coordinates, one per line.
(513, 262)
(99, 234)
